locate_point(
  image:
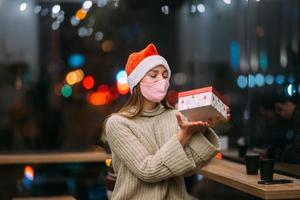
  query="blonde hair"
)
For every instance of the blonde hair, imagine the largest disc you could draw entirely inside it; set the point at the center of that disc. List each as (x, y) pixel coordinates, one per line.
(133, 108)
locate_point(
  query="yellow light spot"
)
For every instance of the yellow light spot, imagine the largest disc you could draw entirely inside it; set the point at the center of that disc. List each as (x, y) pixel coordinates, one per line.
(107, 162)
(71, 78)
(123, 88)
(79, 74)
(81, 14)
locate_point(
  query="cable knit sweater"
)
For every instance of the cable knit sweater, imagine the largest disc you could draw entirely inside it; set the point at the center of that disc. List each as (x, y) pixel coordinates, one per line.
(148, 159)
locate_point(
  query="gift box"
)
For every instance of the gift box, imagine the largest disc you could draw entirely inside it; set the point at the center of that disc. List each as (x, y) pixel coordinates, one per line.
(202, 104)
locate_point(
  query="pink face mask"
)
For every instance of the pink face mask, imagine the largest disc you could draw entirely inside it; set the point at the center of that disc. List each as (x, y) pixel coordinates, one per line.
(156, 91)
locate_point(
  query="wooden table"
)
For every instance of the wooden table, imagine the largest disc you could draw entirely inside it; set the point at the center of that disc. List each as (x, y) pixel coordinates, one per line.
(234, 175)
(287, 169)
(12, 168)
(42, 158)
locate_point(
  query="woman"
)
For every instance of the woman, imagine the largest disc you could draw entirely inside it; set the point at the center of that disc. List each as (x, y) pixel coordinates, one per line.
(153, 146)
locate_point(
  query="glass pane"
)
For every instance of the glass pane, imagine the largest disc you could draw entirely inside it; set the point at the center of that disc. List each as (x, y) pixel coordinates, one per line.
(62, 62)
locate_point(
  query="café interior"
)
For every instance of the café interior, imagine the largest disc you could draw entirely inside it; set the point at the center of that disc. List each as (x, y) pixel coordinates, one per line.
(62, 73)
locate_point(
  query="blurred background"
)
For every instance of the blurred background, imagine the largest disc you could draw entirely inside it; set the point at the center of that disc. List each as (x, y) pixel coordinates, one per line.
(62, 71)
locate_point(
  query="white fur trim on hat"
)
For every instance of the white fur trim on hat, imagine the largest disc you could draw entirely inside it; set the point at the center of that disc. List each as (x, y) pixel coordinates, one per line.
(143, 67)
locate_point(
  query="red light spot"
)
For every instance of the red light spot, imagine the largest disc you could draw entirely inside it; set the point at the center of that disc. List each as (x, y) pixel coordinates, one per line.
(98, 98)
(103, 88)
(88, 82)
(114, 92)
(219, 156)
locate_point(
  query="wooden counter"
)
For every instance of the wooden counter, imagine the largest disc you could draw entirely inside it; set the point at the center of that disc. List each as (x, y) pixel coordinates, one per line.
(234, 175)
(287, 169)
(42, 158)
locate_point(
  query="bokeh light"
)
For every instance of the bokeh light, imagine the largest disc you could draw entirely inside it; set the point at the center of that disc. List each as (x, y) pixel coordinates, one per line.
(283, 57)
(74, 21)
(88, 82)
(102, 3)
(263, 60)
(201, 8)
(108, 162)
(121, 77)
(80, 75)
(76, 60)
(165, 9)
(71, 78)
(107, 45)
(269, 79)
(83, 31)
(81, 14)
(280, 79)
(291, 90)
(87, 4)
(114, 92)
(227, 1)
(55, 25)
(74, 77)
(193, 8)
(180, 78)
(98, 98)
(23, 6)
(242, 81)
(122, 84)
(234, 55)
(55, 9)
(219, 156)
(103, 88)
(37, 9)
(123, 88)
(251, 81)
(99, 36)
(259, 79)
(29, 172)
(66, 90)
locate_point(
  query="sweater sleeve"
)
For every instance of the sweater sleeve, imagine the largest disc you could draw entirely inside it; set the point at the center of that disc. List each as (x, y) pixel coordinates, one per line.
(169, 161)
(202, 147)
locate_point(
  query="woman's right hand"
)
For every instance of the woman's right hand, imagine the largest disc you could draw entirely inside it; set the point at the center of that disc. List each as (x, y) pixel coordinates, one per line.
(188, 128)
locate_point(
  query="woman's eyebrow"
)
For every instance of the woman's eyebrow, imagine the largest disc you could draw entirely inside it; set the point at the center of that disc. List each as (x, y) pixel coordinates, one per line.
(157, 71)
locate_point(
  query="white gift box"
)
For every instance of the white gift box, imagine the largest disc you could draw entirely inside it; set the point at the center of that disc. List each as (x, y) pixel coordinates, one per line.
(201, 104)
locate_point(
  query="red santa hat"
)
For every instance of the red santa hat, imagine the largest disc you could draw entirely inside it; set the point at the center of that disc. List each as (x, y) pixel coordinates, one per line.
(139, 63)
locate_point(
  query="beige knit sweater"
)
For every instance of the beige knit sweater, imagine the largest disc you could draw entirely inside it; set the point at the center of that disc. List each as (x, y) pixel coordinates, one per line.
(149, 160)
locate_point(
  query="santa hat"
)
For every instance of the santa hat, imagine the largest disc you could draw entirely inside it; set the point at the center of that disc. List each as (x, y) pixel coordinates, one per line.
(139, 63)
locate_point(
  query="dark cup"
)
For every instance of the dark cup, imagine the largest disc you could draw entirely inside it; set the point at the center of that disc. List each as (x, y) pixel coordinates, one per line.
(252, 161)
(266, 169)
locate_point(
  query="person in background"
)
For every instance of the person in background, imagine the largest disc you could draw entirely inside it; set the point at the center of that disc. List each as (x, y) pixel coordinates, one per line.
(290, 110)
(153, 146)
